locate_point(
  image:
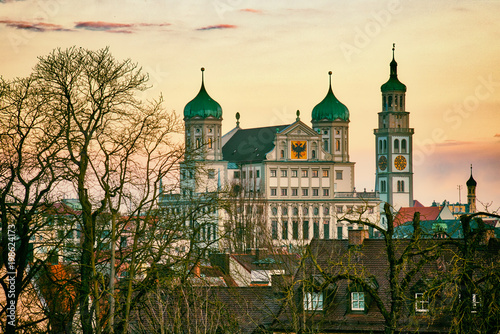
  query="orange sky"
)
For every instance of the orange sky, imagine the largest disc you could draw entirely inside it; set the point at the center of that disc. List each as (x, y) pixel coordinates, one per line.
(266, 59)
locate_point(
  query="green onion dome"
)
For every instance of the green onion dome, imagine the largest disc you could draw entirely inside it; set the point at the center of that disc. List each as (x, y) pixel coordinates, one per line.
(330, 108)
(203, 105)
(393, 84)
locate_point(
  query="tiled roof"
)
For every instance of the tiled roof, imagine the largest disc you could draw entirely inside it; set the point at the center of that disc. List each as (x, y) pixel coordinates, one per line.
(333, 256)
(251, 145)
(426, 213)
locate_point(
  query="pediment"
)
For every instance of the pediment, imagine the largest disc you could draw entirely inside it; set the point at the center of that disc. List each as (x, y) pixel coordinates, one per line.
(299, 130)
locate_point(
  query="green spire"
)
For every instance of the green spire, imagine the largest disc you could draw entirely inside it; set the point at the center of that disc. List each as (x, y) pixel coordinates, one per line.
(330, 108)
(203, 105)
(393, 84)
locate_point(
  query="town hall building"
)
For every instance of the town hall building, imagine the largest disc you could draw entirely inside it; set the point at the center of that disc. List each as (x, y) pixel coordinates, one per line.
(286, 184)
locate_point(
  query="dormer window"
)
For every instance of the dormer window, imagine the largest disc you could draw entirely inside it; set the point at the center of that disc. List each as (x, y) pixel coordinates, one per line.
(421, 302)
(313, 301)
(357, 301)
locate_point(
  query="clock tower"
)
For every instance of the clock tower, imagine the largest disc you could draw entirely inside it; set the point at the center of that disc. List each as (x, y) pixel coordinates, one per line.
(394, 145)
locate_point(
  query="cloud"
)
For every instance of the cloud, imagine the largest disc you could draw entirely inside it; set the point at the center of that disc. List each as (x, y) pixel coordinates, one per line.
(33, 26)
(251, 10)
(126, 28)
(218, 26)
(104, 26)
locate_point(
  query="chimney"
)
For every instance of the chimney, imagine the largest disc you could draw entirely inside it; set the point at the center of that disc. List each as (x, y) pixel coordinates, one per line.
(356, 237)
(197, 270)
(260, 253)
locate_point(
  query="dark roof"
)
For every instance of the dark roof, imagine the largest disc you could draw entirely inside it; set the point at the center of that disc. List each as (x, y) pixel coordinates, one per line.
(369, 260)
(251, 145)
(209, 309)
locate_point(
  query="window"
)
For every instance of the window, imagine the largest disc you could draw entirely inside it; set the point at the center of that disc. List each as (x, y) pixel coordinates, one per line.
(325, 172)
(401, 186)
(244, 174)
(274, 229)
(295, 173)
(337, 145)
(211, 173)
(305, 211)
(282, 154)
(326, 210)
(251, 174)
(315, 192)
(383, 186)
(284, 231)
(403, 146)
(325, 145)
(273, 172)
(316, 229)
(295, 211)
(273, 191)
(295, 230)
(396, 145)
(339, 208)
(326, 229)
(284, 173)
(257, 173)
(305, 192)
(385, 145)
(421, 302)
(313, 154)
(305, 173)
(295, 192)
(357, 301)
(284, 211)
(326, 192)
(313, 301)
(315, 173)
(284, 191)
(316, 211)
(305, 230)
(236, 174)
(210, 143)
(339, 232)
(338, 175)
(274, 211)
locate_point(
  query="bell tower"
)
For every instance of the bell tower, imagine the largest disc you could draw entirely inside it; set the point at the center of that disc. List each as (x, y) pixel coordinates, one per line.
(471, 193)
(394, 144)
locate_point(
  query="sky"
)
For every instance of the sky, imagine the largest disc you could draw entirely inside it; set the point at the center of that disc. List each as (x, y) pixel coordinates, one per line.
(267, 59)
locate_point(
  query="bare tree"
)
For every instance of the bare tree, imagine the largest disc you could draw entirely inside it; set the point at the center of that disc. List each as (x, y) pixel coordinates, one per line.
(30, 148)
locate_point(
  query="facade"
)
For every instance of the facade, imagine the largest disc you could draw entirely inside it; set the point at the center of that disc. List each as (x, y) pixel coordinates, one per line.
(394, 144)
(285, 184)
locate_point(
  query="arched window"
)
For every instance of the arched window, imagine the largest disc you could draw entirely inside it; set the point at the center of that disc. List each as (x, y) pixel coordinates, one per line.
(274, 211)
(396, 145)
(383, 186)
(282, 154)
(295, 211)
(313, 154)
(401, 102)
(402, 186)
(385, 146)
(316, 211)
(284, 211)
(403, 145)
(210, 143)
(390, 102)
(305, 211)
(384, 104)
(337, 145)
(380, 146)
(325, 145)
(399, 186)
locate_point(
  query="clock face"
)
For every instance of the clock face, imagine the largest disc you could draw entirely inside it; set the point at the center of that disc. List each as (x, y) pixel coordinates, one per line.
(299, 149)
(382, 163)
(400, 162)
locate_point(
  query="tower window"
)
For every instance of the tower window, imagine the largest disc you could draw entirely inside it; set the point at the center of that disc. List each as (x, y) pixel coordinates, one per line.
(325, 145)
(401, 102)
(210, 142)
(384, 104)
(337, 145)
(383, 186)
(396, 145)
(390, 101)
(401, 186)
(403, 146)
(282, 154)
(385, 146)
(313, 153)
